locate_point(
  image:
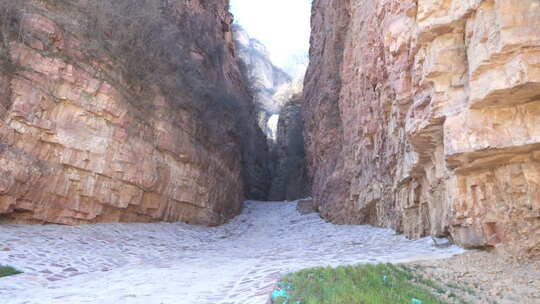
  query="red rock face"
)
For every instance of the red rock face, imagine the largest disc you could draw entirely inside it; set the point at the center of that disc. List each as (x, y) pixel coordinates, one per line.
(75, 149)
(423, 116)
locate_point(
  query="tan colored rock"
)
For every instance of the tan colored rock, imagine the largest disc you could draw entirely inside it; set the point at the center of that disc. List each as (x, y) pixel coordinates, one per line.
(423, 116)
(74, 149)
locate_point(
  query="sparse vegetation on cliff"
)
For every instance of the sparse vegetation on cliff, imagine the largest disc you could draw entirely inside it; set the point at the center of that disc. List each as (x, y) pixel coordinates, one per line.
(151, 43)
(163, 74)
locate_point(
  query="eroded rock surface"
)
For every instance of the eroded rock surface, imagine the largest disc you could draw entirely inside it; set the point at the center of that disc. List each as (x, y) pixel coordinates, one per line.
(263, 77)
(423, 116)
(278, 102)
(79, 143)
(289, 178)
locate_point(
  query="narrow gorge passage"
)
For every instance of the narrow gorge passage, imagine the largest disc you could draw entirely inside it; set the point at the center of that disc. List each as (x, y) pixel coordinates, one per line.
(109, 152)
(156, 151)
(177, 263)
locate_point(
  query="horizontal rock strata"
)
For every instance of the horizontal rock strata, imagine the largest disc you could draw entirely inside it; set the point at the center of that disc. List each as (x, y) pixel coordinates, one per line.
(80, 142)
(424, 116)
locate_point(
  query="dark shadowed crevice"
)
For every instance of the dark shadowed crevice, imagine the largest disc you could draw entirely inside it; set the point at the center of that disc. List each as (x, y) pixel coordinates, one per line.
(278, 100)
(289, 170)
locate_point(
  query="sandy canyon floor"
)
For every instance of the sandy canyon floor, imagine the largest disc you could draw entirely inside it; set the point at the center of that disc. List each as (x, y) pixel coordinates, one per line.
(177, 263)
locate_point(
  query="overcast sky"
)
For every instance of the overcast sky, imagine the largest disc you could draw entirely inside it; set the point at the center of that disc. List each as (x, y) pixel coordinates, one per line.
(282, 25)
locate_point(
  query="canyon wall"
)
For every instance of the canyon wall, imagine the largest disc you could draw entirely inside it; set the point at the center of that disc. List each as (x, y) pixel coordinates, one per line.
(289, 178)
(424, 116)
(263, 77)
(278, 101)
(106, 117)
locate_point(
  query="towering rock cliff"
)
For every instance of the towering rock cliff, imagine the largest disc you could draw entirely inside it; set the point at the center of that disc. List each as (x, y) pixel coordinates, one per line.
(263, 77)
(289, 170)
(278, 104)
(423, 116)
(124, 111)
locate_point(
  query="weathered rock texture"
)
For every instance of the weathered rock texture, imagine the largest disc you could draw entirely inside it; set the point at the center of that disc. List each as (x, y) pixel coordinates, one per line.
(278, 104)
(80, 143)
(289, 171)
(424, 116)
(263, 77)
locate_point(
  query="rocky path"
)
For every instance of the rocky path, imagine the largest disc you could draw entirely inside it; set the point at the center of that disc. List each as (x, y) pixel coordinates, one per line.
(181, 264)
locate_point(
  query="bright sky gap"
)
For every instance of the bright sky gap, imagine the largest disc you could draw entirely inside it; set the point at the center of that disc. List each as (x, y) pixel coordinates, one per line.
(282, 25)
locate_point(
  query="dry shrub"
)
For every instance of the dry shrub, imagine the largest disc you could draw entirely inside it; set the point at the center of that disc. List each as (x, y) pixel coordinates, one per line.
(149, 41)
(150, 44)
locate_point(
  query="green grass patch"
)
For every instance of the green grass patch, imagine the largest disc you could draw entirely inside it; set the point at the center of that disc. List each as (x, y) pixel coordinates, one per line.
(362, 284)
(7, 271)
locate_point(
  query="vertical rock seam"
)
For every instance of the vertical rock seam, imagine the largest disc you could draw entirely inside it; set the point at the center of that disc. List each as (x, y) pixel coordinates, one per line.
(423, 116)
(289, 178)
(93, 130)
(263, 79)
(278, 102)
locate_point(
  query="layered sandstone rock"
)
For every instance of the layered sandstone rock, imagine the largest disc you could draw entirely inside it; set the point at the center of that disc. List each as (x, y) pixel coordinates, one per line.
(80, 143)
(424, 116)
